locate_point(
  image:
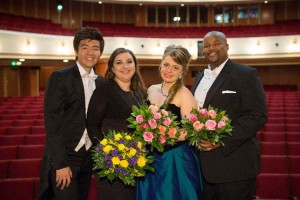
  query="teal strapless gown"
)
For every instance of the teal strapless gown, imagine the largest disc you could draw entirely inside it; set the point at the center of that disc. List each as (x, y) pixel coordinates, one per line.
(177, 174)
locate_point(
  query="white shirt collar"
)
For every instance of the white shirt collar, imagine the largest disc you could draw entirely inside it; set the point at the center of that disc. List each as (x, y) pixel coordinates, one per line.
(217, 70)
(83, 72)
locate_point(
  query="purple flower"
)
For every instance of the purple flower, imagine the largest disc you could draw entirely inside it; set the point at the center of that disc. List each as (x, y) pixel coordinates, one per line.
(132, 161)
(114, 152)
(121, 141)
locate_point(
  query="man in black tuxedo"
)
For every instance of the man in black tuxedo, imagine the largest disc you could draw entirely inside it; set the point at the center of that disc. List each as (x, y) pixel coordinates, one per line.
(230, 171)
(66, 167)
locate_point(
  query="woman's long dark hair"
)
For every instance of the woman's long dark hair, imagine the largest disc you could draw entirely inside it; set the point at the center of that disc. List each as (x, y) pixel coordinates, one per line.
(137, 85)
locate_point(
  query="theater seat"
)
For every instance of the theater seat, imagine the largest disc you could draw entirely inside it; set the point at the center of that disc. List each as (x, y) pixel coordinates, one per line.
(17, 189)
(8, 152)
(38, 130)
(274, 164)
(35, 139)
(273, 148)
(24, 168)
(295, 186)
(24, 130)
(293, 148)
(3, 169)
(272, 186)
(30, 151)
(294, 164)
(11, 140)
(274, 137)
(93, 190)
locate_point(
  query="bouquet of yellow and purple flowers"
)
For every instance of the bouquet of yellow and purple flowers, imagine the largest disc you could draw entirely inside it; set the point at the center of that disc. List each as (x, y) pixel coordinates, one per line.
(208, 124)
(155, 126)
(119, 155)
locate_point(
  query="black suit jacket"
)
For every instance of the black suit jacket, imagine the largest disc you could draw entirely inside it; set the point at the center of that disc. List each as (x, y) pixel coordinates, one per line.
(239, 159)
(109, 108)
(65, 120)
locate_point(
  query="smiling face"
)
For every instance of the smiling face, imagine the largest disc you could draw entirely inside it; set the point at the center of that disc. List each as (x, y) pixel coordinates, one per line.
(170, 71)
(123, 67)
(215, 49)
(88, 54)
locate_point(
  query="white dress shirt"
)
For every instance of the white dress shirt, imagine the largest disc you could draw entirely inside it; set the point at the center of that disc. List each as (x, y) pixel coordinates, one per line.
(206, 82)
(89, 86)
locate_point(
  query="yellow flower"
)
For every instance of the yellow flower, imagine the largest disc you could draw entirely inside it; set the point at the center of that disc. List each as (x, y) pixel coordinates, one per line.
(107, 148)
(124, 163)
(104, 142)
(132, 152)
(118, 137)
(121, 147)
(128, 137)
(139, 145)
(141, 161)
(115, 160)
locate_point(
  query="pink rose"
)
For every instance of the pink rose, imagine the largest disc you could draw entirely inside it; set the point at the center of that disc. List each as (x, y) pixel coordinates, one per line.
(144, 126)
(162, 129)
(139, 119)
(152, 123)
(157, 115)
(172, 132)
(198, 125)
(153, 109)
(167, 121)
(164, 112)
(210, 125)
(148, 136)
(212, 114)
(203, 112)
(192, 117)
(221, 124)
(162, 139)
(224, 119)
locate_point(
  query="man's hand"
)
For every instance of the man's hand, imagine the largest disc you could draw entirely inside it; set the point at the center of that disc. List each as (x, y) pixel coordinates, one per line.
(207, 145)
(63, 177)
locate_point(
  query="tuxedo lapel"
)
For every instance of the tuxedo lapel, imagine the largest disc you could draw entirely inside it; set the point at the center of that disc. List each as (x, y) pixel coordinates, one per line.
(198, 79)
(217, 83)
(78, 82)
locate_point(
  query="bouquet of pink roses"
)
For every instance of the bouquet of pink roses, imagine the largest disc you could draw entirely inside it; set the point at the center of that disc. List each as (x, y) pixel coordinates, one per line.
(208, 124)
(154, 125)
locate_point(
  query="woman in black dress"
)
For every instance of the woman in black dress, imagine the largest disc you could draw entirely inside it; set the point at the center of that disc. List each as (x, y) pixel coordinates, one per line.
(109, 108)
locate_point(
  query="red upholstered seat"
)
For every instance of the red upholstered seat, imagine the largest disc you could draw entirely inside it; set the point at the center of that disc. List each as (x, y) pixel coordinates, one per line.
(274, 136)
(35, 139)
(30, 151)
(293, 148)
(275, 127)
(37, 130)
(293, 128)
(16, 189)
(3, 169)
(24, 122)
(273, 148)
(294, 164)
(295, 185)
(8, 152)
(23, 130)
(11, 140)
(93, 190)
(268, 166)
(293, 137)
(272, 186)
(24, 168)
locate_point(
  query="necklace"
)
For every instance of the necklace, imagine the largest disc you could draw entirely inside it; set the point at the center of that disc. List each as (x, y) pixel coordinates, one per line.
(161, 90)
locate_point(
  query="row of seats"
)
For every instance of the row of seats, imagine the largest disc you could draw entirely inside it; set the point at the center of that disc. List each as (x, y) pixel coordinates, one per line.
(27, 189)
(278, 136)
(21, 151)
(280, 148)
(7, 140)
(22, 130)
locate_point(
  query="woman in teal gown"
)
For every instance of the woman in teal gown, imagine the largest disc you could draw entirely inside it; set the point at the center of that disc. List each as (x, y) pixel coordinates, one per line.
(177, 174)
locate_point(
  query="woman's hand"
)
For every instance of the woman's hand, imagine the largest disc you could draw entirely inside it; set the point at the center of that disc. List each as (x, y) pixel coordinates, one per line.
(182, 135)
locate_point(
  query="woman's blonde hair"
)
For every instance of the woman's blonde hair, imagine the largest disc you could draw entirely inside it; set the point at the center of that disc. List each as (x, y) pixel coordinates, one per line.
(182, 57)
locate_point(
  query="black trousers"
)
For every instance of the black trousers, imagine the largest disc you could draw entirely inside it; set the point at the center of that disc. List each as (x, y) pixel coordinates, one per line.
(239, 190)
(81, 166)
